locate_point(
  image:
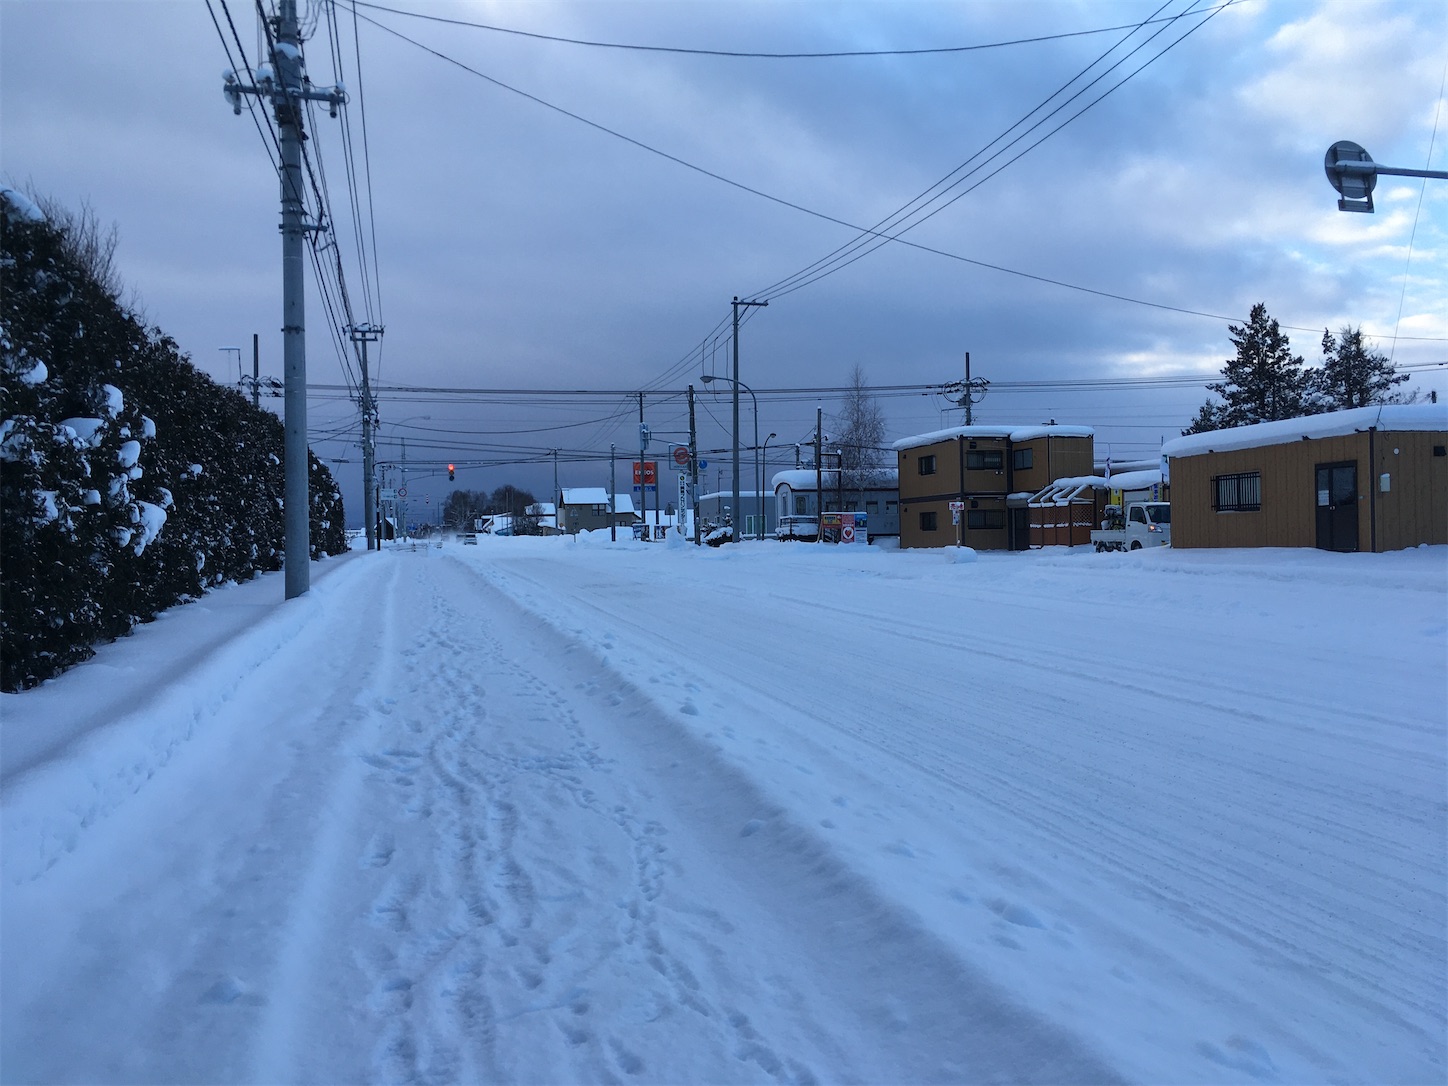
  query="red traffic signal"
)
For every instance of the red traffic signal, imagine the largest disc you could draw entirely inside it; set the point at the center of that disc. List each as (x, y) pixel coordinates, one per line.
(450, 472)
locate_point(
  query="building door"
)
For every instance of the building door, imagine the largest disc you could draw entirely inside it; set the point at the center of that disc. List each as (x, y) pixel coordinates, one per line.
(1020, 529)
(1337, 507)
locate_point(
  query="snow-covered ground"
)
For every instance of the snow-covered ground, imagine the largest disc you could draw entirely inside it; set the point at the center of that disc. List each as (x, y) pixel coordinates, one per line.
(565, 811)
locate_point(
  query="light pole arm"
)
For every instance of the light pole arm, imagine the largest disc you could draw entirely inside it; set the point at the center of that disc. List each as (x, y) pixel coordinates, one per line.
(1352, 171)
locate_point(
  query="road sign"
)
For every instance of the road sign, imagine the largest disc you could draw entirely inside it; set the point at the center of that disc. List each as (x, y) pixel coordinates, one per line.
(681, 455)
(402, 492)
(388, 494)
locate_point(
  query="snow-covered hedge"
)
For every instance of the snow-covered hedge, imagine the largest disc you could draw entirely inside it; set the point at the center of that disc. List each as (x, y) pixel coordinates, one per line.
(129, 480)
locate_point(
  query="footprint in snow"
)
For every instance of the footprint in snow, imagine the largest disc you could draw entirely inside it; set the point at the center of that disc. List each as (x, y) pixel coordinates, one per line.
(689, 708)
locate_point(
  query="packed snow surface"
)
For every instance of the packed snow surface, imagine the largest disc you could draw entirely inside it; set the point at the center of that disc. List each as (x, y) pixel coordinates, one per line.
(553, 810)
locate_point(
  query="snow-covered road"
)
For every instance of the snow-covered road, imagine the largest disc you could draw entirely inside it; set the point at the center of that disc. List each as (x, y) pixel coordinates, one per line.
(546, 811)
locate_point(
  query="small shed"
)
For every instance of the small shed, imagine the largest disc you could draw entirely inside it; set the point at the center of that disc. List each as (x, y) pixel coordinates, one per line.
(1368, 479)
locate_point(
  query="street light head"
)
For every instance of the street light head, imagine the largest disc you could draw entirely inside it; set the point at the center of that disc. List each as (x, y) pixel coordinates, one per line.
(707, 379)
(1354, 174)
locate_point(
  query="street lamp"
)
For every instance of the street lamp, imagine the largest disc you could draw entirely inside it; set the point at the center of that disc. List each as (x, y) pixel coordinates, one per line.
(758, 496)
(763, 463)
(1354, 174)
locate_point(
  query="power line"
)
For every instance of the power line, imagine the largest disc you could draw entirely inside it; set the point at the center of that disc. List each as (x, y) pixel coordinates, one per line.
(869, 243)
(739, 54)
(810, 211)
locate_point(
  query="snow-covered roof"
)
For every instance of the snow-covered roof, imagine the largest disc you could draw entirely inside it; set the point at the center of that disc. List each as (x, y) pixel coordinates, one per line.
(623, 503)
(1431, 417)
(804, 479)
(1015, 433)
(585, 495)
(1135, 480)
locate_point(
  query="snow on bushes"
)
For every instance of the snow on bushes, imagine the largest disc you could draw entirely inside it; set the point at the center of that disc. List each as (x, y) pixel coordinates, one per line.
(108, 514)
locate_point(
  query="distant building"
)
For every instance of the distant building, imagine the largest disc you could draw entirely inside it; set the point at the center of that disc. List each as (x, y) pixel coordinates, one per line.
(1368, 479)
(586, 508)
(795, 496)
(713, 507)
(993, 472)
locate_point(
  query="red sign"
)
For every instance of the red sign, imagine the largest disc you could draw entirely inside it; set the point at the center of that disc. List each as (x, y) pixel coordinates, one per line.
(650, 473)
(681, 456)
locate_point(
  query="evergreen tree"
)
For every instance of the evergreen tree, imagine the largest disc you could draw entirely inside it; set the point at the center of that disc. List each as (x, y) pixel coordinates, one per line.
(1353, 374)
(1263, 382)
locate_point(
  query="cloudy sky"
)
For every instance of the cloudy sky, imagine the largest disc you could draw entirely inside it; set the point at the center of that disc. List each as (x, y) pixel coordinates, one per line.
(556, 216)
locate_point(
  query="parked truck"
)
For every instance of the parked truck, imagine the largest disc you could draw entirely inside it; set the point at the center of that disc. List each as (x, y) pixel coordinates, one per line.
(1141, 524)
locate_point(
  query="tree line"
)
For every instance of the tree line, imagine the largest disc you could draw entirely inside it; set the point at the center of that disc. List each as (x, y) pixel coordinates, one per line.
(1264, 381)
(129, 480)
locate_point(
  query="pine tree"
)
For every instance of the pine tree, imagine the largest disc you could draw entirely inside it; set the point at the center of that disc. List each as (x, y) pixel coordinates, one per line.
(1353, 374)
(1264, 382)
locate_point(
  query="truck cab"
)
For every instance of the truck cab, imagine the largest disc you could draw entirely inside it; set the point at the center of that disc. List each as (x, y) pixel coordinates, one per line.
(1141, 524)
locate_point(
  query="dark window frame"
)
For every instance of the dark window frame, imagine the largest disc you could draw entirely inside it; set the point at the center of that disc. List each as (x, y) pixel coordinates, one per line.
(1023, 459)
(983, 520)
(1239, 492)
(985, 460)
(925, 465)
(928, 521)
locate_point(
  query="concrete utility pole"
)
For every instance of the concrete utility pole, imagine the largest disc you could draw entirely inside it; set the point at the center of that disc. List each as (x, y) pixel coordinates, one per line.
(969, 392)
(734, 532)
(643, 479)
(694, 468)
(612, 494)
(364, 334)
(286, 87)
(819, 475)
(256, 371)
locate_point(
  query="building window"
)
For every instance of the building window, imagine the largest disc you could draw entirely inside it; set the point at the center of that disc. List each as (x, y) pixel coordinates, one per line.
(1021, 459)
(926, 464)
(1237, 493)
(985, 460)
(927, 521)
(600, 510)
(872, 507)
(801, 505)
(985, 518)
(891, 507)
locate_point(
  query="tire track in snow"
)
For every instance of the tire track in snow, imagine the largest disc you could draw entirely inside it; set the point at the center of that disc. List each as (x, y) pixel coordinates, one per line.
(1305, 919)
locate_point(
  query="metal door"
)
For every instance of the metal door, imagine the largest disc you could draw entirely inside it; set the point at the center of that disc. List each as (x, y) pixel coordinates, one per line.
(1337, 506)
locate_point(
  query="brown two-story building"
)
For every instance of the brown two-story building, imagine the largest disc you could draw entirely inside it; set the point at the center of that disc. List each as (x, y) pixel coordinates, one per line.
(992, 471)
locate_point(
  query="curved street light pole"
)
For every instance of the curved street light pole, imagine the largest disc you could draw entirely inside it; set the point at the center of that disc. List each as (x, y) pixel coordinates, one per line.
(759, 497)
(763, 463)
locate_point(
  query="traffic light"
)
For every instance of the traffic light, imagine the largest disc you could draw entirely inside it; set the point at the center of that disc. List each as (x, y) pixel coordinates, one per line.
(451, 472)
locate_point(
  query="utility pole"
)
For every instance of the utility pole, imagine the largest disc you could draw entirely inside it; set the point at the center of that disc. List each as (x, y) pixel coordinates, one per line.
(557, 494)
(363, 334)
(256, 371)
(969, 392)
(286, 87)
(643, 481)
(819, 475)
(612, 494)
(734, 530)
(694, 467)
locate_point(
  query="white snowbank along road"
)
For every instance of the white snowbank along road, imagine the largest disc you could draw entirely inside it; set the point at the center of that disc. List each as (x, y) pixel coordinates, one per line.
(559, 811)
